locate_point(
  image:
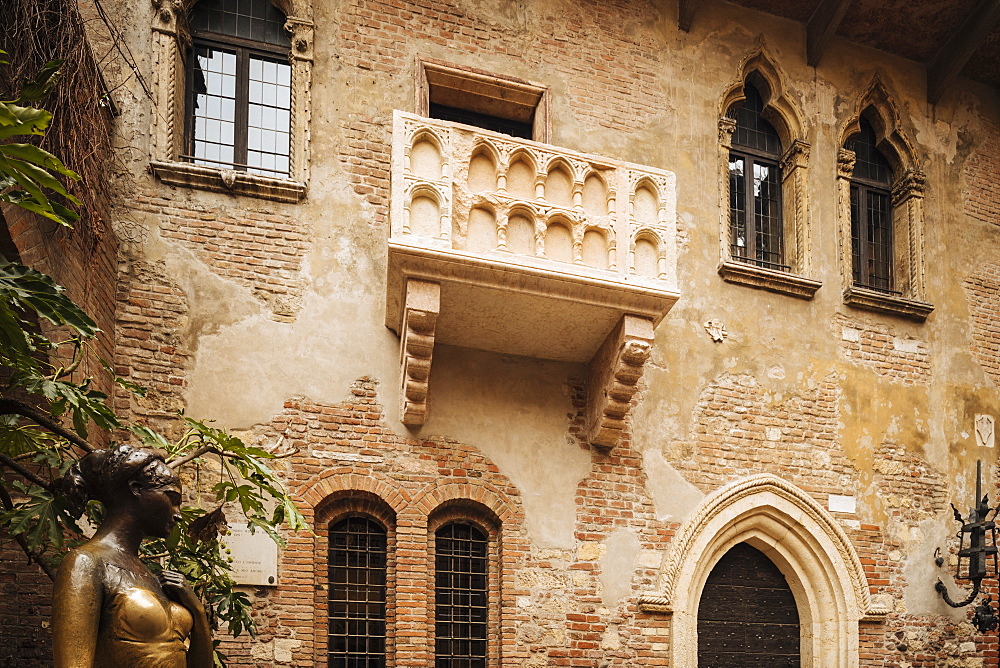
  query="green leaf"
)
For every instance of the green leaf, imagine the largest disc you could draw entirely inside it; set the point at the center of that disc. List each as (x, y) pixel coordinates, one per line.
(32, 154)
(44, 82)
(33, 290)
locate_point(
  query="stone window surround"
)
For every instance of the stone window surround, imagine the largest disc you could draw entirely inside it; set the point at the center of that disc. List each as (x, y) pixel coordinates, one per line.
(907, 210)
(169, 109)
(411, 523)
(484, 92)
(781, 113)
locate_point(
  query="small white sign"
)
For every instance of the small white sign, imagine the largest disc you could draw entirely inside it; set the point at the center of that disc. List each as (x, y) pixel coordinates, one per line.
(842, 504)
(255, 556)
(984, 431)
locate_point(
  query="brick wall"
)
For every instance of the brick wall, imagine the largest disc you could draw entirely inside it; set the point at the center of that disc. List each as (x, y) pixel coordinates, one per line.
(877, 347)
(982, 288)
(981, 191)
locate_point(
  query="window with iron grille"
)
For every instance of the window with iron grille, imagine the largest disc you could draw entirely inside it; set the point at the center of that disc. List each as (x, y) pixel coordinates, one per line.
(357, 593)
(871, 213)
(239, 87)
(461, 595)
(755, 186)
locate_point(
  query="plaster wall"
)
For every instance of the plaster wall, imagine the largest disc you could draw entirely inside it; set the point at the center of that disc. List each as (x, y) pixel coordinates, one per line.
(833, 399)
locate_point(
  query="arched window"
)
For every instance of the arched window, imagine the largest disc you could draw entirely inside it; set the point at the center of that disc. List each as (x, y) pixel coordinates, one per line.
(871, 212)
(239, 87)
(357, 593)
(461, 596)
(755, 185)
(747, 615)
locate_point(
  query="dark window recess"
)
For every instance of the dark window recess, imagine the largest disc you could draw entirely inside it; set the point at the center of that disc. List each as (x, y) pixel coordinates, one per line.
(461, 595)
(239, 87)
(755, 186)
(747, 616)
(871, 213)
(493, 123)
(357, 594)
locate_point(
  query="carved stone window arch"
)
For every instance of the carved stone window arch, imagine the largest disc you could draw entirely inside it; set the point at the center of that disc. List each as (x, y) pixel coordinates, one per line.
(800, 537)
(760, 70)
(876, 107)
(171, 38)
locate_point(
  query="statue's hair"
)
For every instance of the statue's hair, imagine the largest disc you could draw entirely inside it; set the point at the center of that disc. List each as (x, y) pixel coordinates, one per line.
(102, 474)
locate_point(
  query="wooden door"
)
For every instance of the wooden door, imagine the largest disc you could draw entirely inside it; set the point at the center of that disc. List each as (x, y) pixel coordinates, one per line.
(747, 616)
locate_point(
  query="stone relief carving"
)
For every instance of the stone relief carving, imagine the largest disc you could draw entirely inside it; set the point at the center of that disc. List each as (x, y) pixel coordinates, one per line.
(985, 435)
(484, 183)
(717, 330)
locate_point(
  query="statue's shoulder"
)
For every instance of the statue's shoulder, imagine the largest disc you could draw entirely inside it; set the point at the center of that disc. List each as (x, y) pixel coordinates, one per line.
(82, 562)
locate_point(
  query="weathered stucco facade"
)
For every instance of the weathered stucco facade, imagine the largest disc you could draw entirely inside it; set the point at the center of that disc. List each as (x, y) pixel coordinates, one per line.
(768, 406)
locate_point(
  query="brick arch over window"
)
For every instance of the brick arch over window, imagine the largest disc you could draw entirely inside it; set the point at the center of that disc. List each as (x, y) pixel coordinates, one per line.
(325, 500)
(171, 38)
(782, 112)
(802, 539)
(878, 107)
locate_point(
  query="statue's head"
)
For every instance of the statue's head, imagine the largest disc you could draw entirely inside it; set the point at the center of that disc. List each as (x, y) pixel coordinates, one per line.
(127, 479)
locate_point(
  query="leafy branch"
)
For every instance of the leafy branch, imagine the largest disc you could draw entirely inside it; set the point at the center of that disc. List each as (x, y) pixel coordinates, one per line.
(47, 414)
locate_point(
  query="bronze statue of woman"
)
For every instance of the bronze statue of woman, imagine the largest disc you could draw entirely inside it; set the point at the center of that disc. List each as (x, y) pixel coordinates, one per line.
(109, 610)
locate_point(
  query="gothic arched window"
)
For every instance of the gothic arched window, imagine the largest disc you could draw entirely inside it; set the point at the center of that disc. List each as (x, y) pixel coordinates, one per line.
(755, 185)
(871, 212)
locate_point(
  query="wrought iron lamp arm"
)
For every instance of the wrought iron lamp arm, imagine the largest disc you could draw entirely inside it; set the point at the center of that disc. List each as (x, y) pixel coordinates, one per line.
(942, 589)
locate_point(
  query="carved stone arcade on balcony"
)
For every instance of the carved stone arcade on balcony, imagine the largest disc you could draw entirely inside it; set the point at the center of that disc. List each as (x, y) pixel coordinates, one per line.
(523, 248)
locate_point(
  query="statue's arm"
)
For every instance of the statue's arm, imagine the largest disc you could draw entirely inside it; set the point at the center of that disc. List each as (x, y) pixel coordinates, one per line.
(200, 650)
(76, 611)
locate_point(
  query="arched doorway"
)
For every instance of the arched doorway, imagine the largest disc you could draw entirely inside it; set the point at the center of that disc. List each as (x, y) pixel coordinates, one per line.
(800, 537)
(747, 617)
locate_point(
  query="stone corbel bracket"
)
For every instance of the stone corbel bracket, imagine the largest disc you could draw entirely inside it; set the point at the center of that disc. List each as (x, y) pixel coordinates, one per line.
(614, 378)
(420, 314)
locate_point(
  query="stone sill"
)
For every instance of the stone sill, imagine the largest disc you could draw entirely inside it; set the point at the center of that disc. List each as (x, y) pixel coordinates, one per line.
(872, 300)
(782, 282)
(541, 309)
(189, 175)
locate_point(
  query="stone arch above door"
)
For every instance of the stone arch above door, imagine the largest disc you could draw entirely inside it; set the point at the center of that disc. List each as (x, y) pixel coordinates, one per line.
(800, 537)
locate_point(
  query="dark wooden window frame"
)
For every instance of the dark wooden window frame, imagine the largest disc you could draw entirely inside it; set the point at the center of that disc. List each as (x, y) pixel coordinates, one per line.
(750, 253)
(868, 270)
(756, 156)
(244, 49)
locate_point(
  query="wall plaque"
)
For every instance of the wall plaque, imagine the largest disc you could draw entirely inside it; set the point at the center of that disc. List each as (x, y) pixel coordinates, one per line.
(255, 556)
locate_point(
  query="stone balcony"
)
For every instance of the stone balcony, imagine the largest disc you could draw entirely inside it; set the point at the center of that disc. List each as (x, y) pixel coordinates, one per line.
(523, 248)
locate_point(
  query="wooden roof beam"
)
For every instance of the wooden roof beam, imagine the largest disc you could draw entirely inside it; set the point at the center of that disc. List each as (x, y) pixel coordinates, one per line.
(945, 67)
(685, 13)
(822, 26)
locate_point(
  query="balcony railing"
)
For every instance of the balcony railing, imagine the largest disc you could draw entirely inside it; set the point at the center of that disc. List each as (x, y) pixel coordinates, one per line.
(534, 249)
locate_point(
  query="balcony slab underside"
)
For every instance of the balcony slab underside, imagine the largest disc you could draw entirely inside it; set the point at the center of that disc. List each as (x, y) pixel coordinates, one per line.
(494, 302)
